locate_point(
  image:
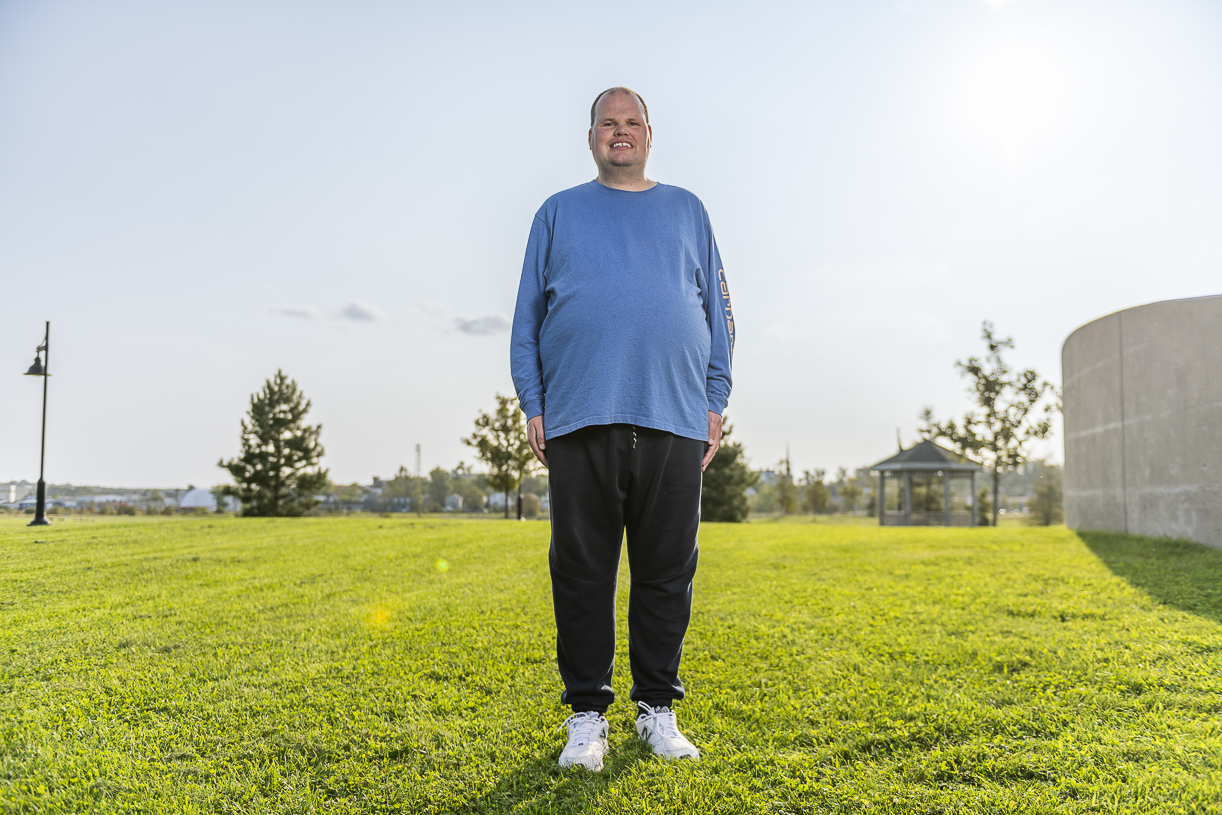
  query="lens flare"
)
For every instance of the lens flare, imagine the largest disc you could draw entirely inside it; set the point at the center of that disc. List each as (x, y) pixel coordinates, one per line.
(379, 618)
(442, 565)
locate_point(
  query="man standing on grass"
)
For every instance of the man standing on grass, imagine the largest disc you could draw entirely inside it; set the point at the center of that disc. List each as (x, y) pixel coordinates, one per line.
(621, 348)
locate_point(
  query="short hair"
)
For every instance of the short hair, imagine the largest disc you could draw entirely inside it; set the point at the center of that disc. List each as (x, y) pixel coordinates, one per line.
(618, 89)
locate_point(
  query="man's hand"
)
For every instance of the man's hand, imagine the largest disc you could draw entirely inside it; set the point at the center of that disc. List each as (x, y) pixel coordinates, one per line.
(534, 434)
(714, 439)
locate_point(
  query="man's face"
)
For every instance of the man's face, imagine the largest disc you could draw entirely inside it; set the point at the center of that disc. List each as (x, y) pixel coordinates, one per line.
(620, 137)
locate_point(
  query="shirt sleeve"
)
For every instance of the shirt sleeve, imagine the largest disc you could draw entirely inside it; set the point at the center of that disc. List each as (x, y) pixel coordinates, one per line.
(524, 362)
(721, 327)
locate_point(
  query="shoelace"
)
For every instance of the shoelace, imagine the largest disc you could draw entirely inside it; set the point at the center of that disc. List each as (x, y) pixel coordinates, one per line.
(661, 720)
(582, 726)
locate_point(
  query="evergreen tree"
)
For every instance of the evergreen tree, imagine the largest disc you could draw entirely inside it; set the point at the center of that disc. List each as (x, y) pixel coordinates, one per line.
(500, 442)
(723, 496)
(278, 472)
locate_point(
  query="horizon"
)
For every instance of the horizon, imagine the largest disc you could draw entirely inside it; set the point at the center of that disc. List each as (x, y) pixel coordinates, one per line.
(199, 195)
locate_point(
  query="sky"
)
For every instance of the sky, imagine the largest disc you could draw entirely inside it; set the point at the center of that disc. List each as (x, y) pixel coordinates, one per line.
(199, 194)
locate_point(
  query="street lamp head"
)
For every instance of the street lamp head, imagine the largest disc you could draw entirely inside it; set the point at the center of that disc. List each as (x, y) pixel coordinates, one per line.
(36, 368)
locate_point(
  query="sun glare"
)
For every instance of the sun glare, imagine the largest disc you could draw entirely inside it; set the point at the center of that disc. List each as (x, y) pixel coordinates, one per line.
(1011, 98)
(379, 618)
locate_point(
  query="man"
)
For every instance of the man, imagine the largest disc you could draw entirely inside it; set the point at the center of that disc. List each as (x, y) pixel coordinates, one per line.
(621, 348)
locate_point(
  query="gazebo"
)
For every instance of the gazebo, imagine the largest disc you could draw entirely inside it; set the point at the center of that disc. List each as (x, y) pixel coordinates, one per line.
(929, 487)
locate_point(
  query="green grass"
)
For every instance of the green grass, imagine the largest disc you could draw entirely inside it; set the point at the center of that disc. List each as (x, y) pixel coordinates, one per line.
(331, 665)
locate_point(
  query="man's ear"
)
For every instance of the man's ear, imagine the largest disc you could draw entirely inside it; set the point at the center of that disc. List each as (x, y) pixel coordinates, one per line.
(590, 138)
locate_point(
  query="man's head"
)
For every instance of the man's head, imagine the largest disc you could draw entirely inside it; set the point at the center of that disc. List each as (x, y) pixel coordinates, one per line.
(620, 135)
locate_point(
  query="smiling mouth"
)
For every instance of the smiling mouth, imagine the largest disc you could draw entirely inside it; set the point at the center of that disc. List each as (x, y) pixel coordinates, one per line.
(616, 144)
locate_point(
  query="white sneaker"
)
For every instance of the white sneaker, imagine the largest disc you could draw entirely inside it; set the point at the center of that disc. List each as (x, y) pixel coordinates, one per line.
(657, 727)
(587, 741)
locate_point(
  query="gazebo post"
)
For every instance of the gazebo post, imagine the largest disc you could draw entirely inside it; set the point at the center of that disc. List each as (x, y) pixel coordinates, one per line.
(882, 498)
(907, 498)
(973, 502)
(946, 494)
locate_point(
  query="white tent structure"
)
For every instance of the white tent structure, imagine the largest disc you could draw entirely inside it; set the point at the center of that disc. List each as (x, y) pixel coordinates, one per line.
(197, 498)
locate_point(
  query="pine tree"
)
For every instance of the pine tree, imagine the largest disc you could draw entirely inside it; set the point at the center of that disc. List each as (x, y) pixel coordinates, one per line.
(726, 480)
(277, 473)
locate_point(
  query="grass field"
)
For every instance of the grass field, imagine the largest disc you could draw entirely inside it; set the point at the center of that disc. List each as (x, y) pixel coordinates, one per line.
(398, 664)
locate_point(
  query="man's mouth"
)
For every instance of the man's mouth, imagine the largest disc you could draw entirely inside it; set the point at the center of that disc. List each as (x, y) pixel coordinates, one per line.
(616, 144)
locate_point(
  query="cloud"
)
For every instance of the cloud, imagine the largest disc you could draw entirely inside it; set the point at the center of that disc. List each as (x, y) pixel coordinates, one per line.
(997, 3)
(362, 312)
(301, 312)
(430, 308)
(479, 326)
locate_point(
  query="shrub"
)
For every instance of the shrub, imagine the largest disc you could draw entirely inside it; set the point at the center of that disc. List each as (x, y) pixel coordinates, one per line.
(531, 505)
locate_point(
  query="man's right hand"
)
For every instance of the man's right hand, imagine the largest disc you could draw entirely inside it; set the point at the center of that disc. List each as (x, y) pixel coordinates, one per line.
(534, 434)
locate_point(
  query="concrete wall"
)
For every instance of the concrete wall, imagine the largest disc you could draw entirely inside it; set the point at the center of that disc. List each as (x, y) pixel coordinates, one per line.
(1143, 421)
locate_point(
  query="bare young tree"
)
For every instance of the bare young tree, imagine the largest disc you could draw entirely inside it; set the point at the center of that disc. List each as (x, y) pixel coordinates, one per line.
(1008, 417)
(786, 490)
(815, 494)
(850, 493)
(500, 442)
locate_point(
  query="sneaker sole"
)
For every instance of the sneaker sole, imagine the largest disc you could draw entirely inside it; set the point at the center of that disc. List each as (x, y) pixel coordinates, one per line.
(572, 764)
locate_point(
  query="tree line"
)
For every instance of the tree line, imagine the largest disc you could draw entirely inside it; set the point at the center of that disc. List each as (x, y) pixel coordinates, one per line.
(279, 471)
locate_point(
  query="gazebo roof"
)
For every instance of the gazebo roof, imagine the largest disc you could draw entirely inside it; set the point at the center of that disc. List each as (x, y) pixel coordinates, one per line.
(927, 456)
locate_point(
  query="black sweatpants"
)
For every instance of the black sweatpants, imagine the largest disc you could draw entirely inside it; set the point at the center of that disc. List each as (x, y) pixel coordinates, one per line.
(605, 480)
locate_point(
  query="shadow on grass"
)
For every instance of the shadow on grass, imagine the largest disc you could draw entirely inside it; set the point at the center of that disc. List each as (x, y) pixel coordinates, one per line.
(1177, 573)
(541, 786)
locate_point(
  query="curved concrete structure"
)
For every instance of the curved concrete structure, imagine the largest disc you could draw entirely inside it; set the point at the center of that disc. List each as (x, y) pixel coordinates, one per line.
(1143, 421)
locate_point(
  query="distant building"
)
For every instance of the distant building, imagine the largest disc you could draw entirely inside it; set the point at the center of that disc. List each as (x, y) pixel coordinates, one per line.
(14, 491)
(31, 501)
(94, 500)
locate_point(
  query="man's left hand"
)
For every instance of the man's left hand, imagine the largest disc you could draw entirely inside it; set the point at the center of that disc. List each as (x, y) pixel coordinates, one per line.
(714, 439)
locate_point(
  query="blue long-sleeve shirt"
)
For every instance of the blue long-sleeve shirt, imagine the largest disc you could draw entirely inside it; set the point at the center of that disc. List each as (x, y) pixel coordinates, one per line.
(623, 313)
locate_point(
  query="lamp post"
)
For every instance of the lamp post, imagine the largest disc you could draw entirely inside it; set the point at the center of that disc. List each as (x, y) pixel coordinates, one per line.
(40, 368)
